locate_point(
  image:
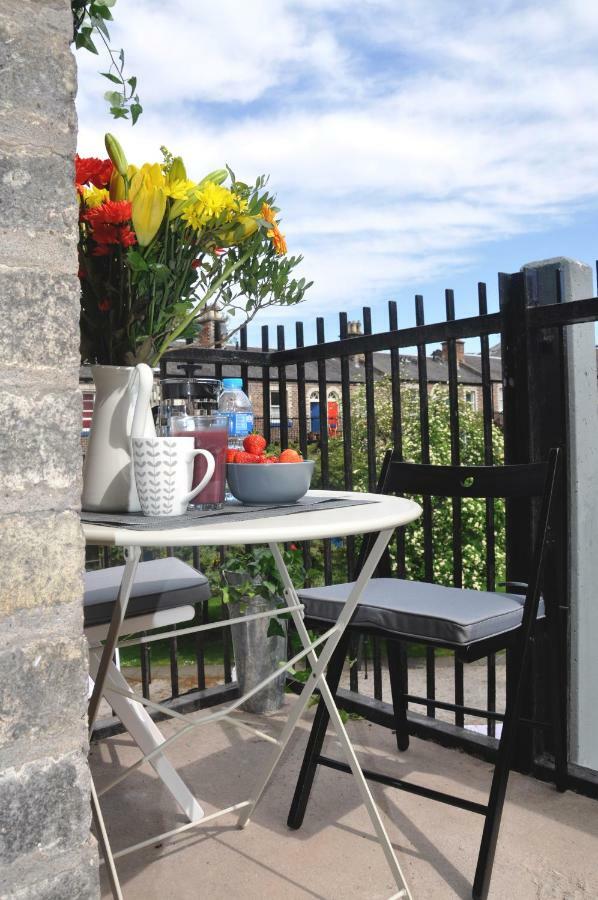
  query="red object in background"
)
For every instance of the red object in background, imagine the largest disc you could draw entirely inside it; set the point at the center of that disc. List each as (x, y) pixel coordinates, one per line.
(332, 407)
(88, 398)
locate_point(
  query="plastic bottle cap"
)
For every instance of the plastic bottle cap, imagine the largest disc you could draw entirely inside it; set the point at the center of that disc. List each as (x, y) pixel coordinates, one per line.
(230, 384)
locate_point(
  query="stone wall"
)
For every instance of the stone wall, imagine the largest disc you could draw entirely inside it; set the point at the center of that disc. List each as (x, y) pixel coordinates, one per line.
(45, 847)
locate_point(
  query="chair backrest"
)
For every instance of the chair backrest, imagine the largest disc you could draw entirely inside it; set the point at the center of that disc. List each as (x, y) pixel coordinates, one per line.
(462, 481)
(510, 482)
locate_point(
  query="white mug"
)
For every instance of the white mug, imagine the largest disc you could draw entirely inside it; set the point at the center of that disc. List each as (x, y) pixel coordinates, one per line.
(163, 469)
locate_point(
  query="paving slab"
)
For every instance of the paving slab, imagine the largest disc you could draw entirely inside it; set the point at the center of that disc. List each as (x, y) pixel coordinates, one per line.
(548, 848)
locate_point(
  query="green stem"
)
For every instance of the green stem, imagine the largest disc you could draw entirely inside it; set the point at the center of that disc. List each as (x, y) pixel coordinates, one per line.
(189, 318)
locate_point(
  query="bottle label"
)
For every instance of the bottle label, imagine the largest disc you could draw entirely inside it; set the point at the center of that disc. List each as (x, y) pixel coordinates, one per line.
(240, 424)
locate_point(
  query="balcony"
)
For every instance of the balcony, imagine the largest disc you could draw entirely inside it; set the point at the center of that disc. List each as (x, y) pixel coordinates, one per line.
(548, 844)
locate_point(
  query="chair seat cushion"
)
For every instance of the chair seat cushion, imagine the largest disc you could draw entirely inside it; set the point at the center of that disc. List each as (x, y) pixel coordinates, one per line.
(159, 584)
(417, 609)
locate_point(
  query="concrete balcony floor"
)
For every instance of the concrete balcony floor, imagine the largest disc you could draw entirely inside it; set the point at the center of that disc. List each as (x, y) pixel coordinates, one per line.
(548, 846)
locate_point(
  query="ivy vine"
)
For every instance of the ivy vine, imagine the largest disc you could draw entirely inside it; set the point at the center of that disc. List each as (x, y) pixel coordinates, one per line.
(89, 27)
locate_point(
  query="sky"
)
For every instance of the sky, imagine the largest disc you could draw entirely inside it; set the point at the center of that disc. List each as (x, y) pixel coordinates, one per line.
(413, 145)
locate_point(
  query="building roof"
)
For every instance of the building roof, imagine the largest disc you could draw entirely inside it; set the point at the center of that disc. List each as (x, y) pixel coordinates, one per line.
(469, 372)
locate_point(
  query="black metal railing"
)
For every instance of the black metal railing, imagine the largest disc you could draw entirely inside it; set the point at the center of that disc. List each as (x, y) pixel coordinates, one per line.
(356, 368)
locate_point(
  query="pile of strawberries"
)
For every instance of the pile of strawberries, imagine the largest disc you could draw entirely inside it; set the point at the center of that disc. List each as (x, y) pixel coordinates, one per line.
(255, 452)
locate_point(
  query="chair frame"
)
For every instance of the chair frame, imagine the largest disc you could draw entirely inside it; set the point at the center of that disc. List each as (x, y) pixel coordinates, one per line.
(509, 482)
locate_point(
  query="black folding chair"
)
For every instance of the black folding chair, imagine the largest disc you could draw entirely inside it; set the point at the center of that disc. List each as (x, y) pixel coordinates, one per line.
(473, 624)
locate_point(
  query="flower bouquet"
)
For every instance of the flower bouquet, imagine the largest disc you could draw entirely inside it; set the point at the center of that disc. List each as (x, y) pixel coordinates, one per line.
(156, 247)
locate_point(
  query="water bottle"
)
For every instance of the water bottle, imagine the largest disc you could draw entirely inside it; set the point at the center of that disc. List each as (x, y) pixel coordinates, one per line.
(237, 406)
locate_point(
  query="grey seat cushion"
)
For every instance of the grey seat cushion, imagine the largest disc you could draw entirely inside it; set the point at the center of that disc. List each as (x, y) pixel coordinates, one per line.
(159, 584)
(420, 610)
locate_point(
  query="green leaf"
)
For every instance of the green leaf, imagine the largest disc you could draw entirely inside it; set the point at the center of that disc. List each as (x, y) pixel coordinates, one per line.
(132, 81)
(113, 78)
(84, 41)
(275, 629)
(119, 113)
(136, 110)
(99, 24)
(136, 262)
(114, 98)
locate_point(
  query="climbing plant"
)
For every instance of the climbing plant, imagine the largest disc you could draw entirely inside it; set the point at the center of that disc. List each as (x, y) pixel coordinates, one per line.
(89, 29)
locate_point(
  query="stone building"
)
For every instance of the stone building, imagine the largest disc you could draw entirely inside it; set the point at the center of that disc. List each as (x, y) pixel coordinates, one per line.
(46, 850)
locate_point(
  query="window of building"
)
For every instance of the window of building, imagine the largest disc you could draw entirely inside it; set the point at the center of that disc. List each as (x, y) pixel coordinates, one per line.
(471, 398)
(499, 398)
(275, 405)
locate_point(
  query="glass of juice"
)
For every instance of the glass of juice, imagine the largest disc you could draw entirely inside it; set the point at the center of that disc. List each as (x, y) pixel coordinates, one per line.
(210, 433)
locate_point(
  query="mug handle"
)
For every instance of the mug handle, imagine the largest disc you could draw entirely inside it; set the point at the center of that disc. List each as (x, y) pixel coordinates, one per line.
(211, 465)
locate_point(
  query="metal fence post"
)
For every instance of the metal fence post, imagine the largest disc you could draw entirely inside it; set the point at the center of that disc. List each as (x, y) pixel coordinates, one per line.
(517, 438)
(567, 357)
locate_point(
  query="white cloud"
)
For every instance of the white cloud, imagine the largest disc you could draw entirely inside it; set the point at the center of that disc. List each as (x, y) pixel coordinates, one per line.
(399, 137)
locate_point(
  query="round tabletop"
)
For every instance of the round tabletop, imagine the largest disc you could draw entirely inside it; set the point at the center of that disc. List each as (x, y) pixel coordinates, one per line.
(381, 513)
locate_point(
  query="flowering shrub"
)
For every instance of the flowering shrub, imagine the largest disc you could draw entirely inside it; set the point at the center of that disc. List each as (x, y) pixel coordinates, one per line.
(155, 247)
(471, 434)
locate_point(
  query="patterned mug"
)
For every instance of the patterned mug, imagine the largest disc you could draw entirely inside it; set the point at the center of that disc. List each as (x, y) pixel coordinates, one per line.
(163, 469)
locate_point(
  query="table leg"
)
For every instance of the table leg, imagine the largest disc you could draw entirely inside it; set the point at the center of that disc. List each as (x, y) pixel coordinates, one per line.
(317, 679)
(146, 735)
(104, 843)
(132, 555)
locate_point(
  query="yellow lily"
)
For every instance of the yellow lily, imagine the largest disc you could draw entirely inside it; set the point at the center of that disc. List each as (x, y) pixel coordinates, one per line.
(177, 171)
(148, 202)
(116, 153)
(117, 183)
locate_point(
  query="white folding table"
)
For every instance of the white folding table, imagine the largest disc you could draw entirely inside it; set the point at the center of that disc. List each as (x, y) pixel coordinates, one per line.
(383, 514)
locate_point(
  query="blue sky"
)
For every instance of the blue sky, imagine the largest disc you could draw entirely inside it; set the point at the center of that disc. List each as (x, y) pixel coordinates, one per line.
(413, 145)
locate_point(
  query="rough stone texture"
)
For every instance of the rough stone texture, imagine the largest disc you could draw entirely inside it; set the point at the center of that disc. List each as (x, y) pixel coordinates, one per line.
(40, 449)
(18, 314)
(43, 807)
(45, 847)
(46, 699)
(72, 876)
(38, 572)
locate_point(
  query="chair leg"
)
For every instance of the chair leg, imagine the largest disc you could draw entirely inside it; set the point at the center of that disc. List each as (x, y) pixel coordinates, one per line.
(316, 738)
(397, 670)
(559, 707)
(500, 778)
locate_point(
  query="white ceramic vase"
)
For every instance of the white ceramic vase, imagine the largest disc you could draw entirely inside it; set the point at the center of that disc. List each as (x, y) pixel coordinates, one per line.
(121, 408)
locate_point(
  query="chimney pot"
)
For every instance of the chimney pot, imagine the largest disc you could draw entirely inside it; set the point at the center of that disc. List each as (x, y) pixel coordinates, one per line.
(459, 351)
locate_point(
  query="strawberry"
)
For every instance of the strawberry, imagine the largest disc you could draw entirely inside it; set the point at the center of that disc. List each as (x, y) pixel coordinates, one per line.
(242, 457)
(268, 459)
(255, 443)
(230, 455)
(290, 456)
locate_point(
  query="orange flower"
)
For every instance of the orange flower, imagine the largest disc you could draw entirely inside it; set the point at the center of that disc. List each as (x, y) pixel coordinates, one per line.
(268, 214)
(278, 239)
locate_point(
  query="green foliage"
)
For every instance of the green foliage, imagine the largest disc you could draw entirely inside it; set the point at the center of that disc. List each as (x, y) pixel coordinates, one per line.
(89, 25)
(260, 578)
(471, 444)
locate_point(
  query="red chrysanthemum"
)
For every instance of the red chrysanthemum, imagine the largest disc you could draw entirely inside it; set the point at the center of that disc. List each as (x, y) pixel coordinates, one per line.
(112, 212)
(126, 236)
(102, 250)
(89, 169)
(107, 235)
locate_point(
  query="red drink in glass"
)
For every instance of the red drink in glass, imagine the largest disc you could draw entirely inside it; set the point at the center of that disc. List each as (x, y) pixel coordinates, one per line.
(210, 433)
